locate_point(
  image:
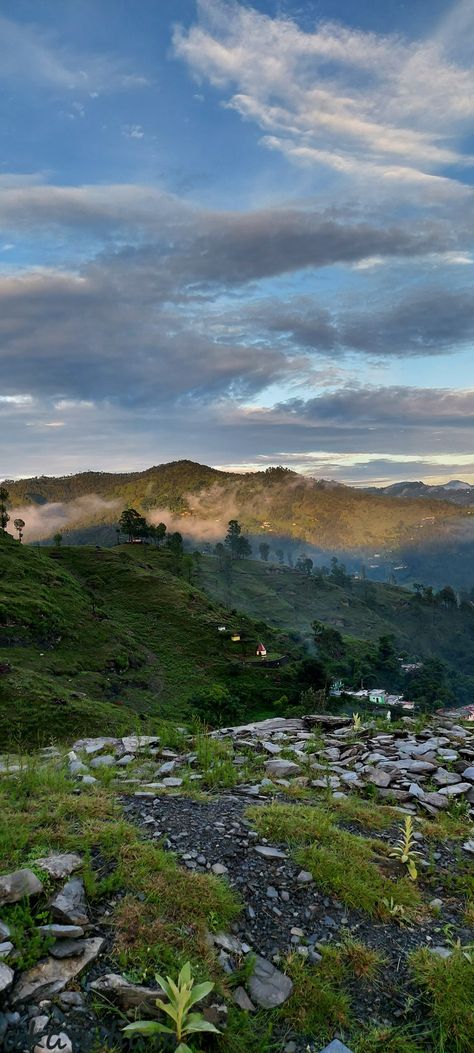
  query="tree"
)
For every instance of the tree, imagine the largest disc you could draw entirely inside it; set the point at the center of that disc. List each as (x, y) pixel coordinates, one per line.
(238, 545)
(446, 597)
(305, 565)
(158, 533)
(58, 539)
(264, 550)
(175, 543)
(19, 525)
(133, 524)
(4, 517)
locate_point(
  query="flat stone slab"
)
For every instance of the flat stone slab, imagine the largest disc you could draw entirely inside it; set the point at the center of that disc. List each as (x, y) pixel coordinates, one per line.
(18, 884)
(125, 994)
(52, 974)
(268, 987)
(59, 866)
(282, 768)
(270, 852)
(62, 932)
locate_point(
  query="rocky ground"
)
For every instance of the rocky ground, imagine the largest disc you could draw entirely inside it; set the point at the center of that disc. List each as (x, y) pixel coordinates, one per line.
(208, 800)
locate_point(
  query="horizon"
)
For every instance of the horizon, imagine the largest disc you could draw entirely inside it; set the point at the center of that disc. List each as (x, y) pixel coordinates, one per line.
(246, 470)
(238, 228)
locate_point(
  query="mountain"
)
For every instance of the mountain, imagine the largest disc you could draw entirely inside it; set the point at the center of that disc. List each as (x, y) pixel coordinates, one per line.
(456, 490)
(87, 635)
(199, 501)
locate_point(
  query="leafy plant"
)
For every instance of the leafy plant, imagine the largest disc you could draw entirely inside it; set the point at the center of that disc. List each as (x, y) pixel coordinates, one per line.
(356, 722)
(404, 850)
(396, 910)
(181, 998)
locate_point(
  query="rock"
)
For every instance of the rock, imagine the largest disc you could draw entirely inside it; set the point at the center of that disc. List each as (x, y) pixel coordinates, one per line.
(442, 952)
(268, 987)
(38, 1024)
(414, 766)
(94, 745)
(446, 778)
(18, 884)
(379, 777)
(5, 931)
(133, 743)
(50, 976)
(172, 782)
(5, 949)
(71, 998)
(6, 977)
(76, 767)
(125, 760)
(219, 868)
(468, 774)
(436, 800)
(106, 760)
(124, 994)
(243, 1001)
(336, 1046)
(469, 846)
(60, 1041)
(70, 904)
(228, 943)
(59, 866)
(68, 949)
(448, 755)
(88, 780)
(455, 791)
(60, 932)
(304, 877)
(271, 747)
(281, 768)
(436, 904)
(415, 791)
(270, 852)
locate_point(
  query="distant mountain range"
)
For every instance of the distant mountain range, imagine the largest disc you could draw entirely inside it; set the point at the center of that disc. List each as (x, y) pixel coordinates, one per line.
(457, 491)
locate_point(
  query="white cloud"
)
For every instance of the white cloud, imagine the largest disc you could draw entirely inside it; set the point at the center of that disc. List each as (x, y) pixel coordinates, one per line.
(356, 101)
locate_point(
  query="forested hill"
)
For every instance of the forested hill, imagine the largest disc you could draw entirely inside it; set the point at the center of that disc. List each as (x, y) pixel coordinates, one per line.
(274, 502)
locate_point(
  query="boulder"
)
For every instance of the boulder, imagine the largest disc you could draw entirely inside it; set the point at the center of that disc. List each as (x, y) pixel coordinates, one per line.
(51, 975)
(268, 987)
(468, 774)
(18, 884)
(59, 1041)
(379, 777)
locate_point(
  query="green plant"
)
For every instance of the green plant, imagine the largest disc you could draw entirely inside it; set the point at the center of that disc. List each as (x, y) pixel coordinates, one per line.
(404, 850)
(181, 998)
(356, 722)
(396, 910)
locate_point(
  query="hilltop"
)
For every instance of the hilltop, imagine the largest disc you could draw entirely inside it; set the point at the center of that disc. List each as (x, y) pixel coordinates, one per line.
(278, 503)
(91, 640)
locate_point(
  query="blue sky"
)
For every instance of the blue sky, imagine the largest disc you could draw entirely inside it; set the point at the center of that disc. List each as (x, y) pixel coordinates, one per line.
(239, 233)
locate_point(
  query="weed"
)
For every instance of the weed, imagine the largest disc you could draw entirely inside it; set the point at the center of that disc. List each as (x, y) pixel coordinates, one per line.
(182, 996)
(404, 850)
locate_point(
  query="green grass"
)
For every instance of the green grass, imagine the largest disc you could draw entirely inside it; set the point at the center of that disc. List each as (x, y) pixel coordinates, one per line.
(448, 990)
(100, 640)
(342, 863)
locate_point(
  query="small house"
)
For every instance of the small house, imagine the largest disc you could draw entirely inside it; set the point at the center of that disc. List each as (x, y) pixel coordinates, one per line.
(261, 651)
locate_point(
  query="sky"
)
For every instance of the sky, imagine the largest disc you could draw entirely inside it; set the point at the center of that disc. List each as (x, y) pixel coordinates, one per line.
(239, 233)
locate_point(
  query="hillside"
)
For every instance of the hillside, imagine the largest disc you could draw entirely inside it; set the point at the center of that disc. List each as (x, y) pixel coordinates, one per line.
(199, 501)
(94, 639)
(361, 609)
(456, 491)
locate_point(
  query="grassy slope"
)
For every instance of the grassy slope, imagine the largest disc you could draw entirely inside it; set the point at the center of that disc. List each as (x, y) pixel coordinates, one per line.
(284, 597)
(91, 632)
